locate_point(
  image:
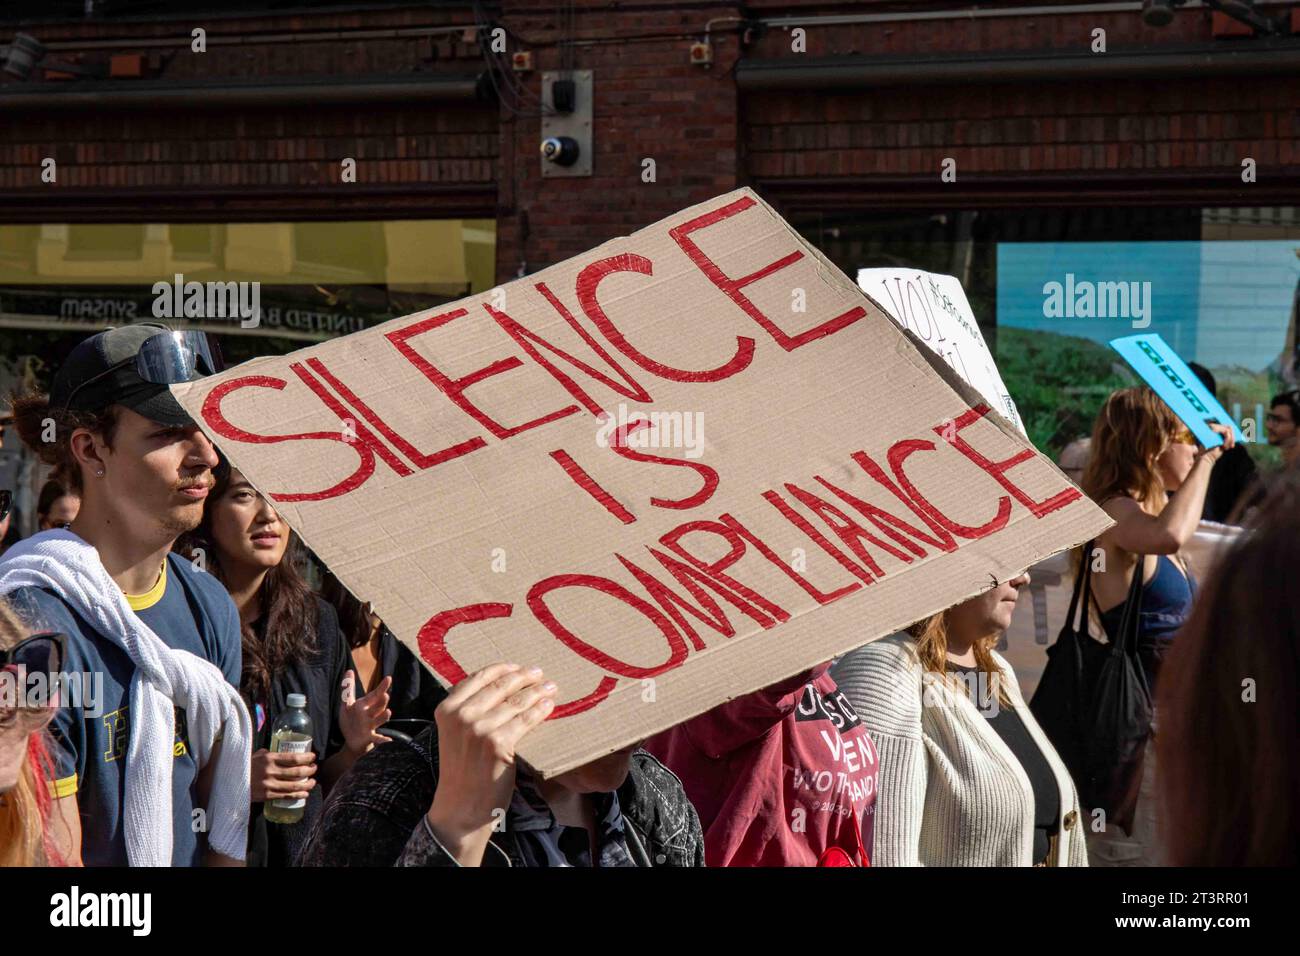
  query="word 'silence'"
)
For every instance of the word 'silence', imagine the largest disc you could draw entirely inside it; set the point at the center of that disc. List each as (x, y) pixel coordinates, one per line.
(374, 439)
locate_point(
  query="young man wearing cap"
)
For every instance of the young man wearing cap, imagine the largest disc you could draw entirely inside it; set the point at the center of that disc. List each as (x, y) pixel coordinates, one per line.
(151, 773)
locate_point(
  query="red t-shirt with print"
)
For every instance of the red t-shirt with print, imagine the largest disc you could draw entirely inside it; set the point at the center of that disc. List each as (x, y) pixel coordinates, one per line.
(785, 776)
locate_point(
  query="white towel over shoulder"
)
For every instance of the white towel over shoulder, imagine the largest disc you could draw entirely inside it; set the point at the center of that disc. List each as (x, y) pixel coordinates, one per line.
(62, 562)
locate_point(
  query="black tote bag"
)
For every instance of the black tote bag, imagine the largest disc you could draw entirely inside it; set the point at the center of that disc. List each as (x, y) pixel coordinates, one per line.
(1093, 703)
(1118, 722)
(1064, 690)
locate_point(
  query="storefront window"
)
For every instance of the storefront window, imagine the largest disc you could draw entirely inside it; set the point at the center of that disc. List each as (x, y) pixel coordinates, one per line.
(262, 288)
(1050, 288)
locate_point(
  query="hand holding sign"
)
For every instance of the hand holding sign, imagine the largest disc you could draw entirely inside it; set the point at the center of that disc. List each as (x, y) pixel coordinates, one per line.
(1177, 385)
(1226, 438)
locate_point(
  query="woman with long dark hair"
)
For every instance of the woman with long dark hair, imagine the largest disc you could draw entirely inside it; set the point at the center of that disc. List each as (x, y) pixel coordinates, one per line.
(291, 645)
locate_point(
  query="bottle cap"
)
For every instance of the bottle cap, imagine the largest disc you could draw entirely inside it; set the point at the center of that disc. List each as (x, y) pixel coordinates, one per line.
(296, 700)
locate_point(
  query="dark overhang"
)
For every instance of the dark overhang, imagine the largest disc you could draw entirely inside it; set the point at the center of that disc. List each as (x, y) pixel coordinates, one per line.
(224, 93)
(793, 73)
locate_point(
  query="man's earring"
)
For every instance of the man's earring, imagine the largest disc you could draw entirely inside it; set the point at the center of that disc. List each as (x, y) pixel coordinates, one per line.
(99, 473)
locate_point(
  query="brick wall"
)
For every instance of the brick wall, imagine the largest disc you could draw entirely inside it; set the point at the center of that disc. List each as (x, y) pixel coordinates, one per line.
(258, 161)
(1117, 125)
(1126, 133)
(863, 146)
(649, 102)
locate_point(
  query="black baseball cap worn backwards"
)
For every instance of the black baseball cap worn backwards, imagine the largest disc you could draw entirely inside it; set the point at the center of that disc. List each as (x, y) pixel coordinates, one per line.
(133, 366)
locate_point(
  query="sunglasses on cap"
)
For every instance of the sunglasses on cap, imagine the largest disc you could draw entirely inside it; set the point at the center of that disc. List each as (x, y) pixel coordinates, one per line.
(167, 358)
(41, 653)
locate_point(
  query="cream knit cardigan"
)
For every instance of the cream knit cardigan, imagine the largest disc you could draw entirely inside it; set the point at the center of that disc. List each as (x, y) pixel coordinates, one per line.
(950, 792)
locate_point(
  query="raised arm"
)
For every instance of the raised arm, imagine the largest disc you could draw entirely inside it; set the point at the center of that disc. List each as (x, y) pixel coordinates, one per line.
(1137, 532)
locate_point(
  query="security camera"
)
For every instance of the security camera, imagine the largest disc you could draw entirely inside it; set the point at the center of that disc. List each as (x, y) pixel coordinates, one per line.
(21, 55)
(561, 150)
(1157, 13)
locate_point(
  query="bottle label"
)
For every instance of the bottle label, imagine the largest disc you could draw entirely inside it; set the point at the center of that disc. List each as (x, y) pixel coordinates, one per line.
(284, 746)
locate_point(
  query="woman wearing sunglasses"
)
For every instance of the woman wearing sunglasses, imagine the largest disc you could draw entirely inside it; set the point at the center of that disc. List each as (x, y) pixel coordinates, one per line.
(1150, 476)
(26, 837)
(57, 505)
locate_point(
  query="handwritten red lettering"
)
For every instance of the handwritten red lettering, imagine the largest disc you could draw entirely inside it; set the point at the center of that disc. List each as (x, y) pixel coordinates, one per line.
(592, 487)
(681, 235)
(217, 421)
(999, 469)
(899, 452)
(709, 475)
(588, 281)
(529, 342)
(537, 604)
(455, 388)
(418, 458)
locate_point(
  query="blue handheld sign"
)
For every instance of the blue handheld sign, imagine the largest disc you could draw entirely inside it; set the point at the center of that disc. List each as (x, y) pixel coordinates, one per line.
(1177, 386)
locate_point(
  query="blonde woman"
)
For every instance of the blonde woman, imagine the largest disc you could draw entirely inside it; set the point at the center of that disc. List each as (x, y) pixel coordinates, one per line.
(25, 767)
(967, 777)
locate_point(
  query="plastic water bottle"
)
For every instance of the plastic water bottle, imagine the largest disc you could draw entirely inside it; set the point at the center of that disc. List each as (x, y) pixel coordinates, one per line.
(290, 734)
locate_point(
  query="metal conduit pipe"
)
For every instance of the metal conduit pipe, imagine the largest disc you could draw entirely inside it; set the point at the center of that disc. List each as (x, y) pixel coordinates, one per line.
(246, 39)
(977, 13)
(856, 71)
(144, 95)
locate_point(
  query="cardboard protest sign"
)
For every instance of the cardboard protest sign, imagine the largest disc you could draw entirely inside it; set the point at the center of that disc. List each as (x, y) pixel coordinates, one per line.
(935, 308)
(1177, 385)
(815, 479)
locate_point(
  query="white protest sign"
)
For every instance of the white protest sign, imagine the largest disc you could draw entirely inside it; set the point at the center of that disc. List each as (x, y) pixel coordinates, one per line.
(935, 308)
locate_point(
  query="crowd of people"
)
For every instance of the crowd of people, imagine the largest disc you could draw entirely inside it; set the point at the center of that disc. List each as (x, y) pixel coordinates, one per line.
(165, 575)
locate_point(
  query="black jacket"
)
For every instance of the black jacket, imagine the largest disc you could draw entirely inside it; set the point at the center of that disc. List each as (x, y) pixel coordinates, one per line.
(1234, 477)
(318, 678)
(415, 693)
(375, 815)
